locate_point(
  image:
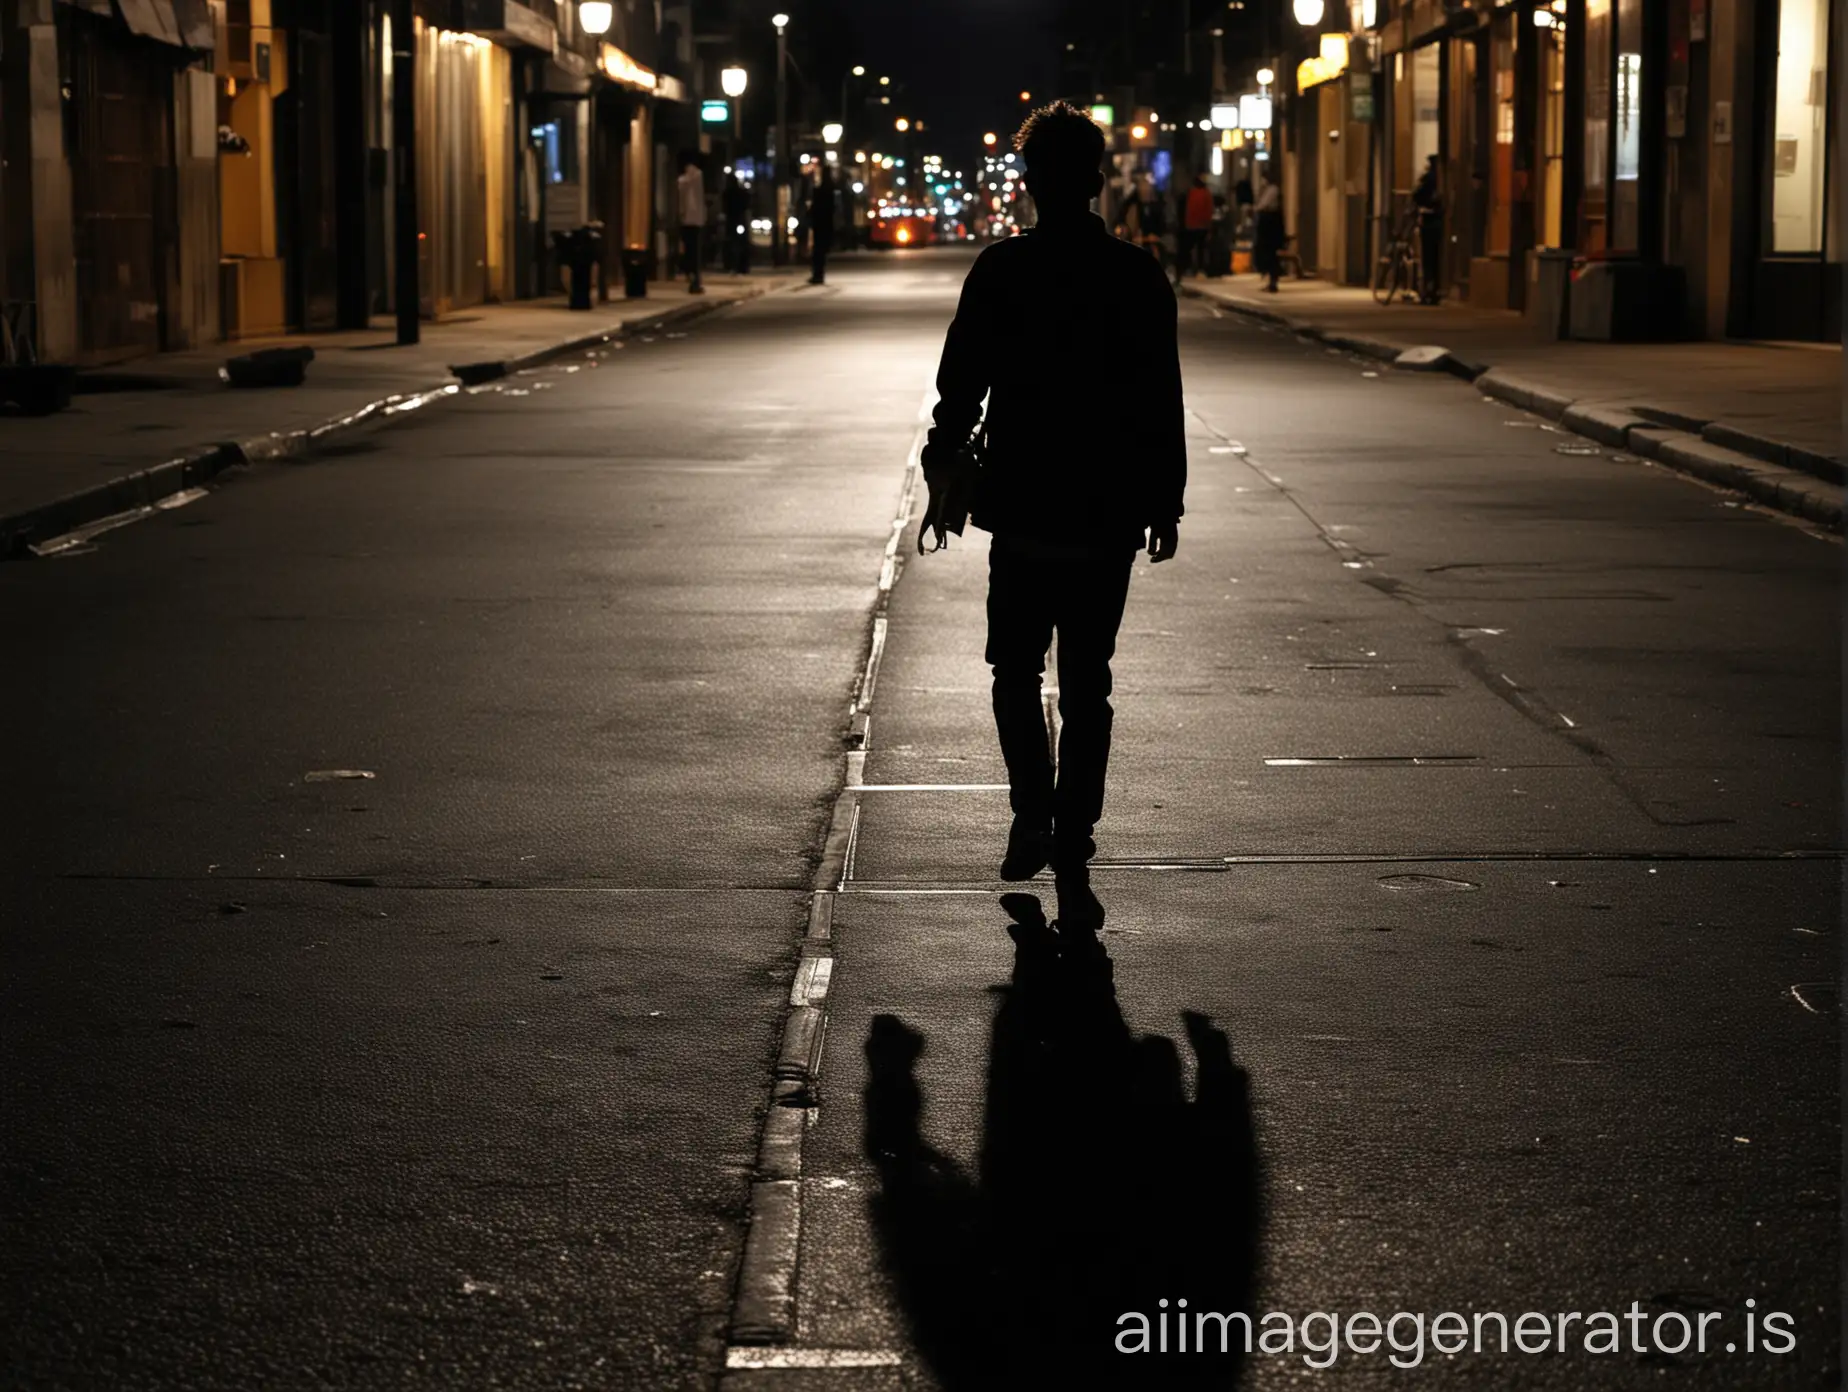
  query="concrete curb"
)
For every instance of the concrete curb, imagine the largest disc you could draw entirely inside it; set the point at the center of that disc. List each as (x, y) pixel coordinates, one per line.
(1786, 477)
(1411, 357)
(140, 490)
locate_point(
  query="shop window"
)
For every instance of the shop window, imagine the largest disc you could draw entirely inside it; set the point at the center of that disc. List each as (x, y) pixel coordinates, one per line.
(558, 149)
(1501, 142)
(1800, 127)
(1594, 198)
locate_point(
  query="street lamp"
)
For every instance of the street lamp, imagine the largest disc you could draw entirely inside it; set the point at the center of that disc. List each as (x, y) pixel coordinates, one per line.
(732, 82)
(1266, 77)
(594, 16)
(989, 138)
(1308, 12)
(901, 125)
(831, 133)
(779, 246)
(858, 70)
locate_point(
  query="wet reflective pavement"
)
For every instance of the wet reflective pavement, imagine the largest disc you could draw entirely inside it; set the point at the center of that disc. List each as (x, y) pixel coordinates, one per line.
(410, 856)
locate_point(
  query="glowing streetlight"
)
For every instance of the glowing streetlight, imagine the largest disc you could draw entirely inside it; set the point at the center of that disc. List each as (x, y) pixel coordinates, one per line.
(832, 132)
(733, 81)
(1308, 12)
(781, 21)
(989, 139)
(1266, 77)
(594, 16)
(885, 82)
(1026, 96)
(901, 125)
(859, 70)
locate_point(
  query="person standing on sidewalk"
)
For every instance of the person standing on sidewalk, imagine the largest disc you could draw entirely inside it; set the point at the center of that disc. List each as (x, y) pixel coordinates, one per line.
(735, 203)
(1267, 236)
(1068, 490)
(692, 190)
(1196, 226)
(1428, 198)
(821, 226)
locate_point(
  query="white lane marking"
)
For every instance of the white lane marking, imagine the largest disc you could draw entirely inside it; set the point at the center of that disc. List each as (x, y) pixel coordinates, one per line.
(736, 1357)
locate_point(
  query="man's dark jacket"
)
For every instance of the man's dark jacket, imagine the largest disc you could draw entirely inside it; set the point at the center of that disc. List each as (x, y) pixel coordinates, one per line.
(1070, 334)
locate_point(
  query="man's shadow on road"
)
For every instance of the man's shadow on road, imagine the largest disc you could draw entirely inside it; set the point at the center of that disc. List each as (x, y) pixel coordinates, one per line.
(1101, 1190)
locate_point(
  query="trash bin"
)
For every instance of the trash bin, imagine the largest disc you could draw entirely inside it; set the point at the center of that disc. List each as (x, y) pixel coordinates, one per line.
(1549, 276)
(578, 251)
(635, 272)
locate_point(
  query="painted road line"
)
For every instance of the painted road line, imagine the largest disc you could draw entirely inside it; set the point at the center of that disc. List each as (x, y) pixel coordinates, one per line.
(763, 1320)
(810, 1358)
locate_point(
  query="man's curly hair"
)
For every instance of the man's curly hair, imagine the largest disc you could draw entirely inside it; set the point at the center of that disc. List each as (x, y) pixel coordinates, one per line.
(1062, 146)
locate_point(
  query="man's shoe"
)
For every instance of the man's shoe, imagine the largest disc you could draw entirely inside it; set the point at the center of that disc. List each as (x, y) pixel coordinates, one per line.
(1029, 851)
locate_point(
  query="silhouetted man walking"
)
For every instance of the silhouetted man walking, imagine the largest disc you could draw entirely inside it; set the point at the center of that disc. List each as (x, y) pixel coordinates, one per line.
(1071, 480)
(821, 226)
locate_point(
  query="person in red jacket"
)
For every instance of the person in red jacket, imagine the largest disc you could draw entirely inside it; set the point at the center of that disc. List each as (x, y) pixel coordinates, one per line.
(1196, 225)
(1071, 487)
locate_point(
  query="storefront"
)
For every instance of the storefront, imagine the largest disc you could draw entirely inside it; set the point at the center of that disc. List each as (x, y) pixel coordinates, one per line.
(1331, 134)
(1797, 281)
(465, 149)
(133, 137)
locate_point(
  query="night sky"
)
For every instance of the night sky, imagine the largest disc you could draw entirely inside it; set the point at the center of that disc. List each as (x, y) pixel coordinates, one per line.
(962, 63)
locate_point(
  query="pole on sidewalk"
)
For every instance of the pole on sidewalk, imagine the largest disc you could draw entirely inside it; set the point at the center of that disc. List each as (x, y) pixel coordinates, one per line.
(406, 296)
(779, 244)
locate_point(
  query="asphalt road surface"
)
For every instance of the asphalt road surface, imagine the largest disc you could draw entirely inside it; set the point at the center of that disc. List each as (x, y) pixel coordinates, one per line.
(406, 859)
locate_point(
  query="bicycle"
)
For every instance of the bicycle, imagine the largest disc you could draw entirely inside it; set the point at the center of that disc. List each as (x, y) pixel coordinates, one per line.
(1400, 270)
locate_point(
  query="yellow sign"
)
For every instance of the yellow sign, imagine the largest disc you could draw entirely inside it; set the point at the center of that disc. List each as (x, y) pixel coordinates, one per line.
(624, 69)
(1327, 65)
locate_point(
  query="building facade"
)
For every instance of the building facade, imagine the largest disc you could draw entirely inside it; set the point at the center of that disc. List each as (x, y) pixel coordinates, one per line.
(179, 172)
(1611, 168)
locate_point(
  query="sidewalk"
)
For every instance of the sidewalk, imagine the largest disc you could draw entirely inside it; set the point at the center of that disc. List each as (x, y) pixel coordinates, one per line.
(145, 430)
(1722, 410)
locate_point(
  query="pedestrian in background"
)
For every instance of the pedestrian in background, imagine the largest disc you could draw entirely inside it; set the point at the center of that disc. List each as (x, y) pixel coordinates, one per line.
(692, 190)
(735, 203)
(1428, 198)
(1069, 490)
(1242, 199)
(821, 212)
(1268, 236)
(1196, 225)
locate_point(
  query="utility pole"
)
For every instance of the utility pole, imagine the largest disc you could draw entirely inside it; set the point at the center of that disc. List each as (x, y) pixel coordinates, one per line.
(406, 296)
(779, 235)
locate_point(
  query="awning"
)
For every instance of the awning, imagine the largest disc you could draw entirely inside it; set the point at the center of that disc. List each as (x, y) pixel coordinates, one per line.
(181, 23)
(509, 24)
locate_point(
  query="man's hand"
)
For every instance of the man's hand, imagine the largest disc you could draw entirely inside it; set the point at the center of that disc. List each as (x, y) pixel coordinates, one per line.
(1164, 538)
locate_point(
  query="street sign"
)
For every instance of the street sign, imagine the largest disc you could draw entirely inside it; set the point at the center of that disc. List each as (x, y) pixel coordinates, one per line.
(1225, 115)
(715, 113)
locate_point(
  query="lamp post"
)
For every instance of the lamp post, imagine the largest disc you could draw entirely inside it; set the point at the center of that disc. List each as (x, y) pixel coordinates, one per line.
(779, 235)
(407, 297)
(858, 71)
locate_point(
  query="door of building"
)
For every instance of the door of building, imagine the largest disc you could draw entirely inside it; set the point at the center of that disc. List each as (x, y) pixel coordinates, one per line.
(1797, 289)
(122, 189)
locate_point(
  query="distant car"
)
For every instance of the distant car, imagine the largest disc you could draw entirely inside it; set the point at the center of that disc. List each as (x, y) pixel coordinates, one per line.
(901, 227)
